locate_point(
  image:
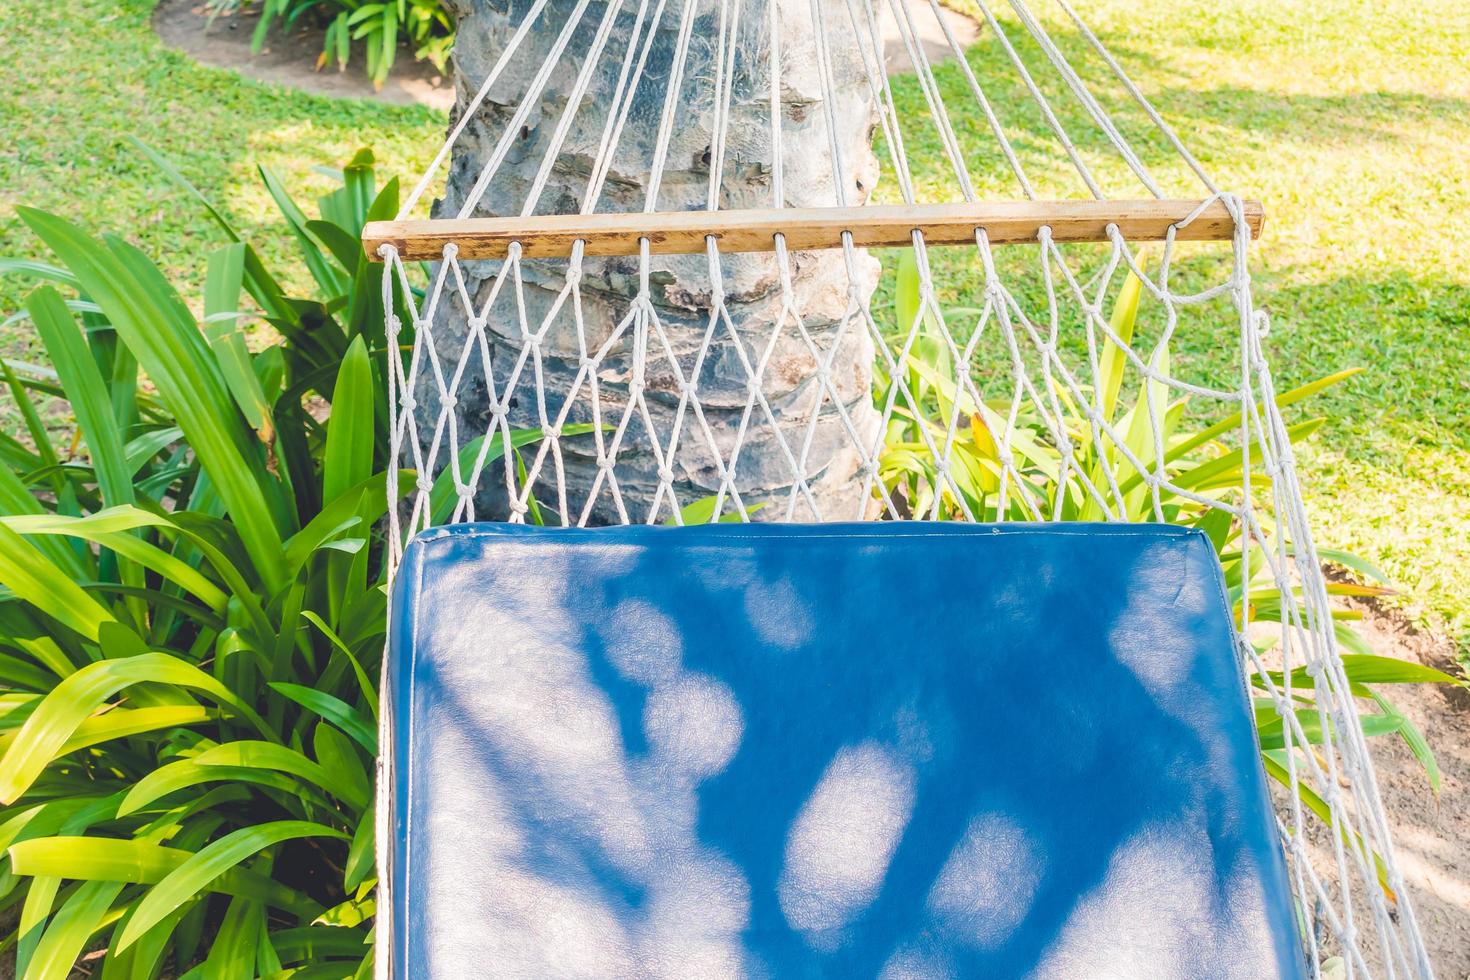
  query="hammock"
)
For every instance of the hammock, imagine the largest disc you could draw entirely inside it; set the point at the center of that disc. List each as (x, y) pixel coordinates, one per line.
(747, 750)
(654, 291)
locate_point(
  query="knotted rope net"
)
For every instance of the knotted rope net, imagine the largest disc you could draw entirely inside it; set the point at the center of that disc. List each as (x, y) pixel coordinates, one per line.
(1099, 369)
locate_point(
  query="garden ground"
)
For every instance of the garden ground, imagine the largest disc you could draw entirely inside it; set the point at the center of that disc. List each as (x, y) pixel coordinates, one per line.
(1350, 118)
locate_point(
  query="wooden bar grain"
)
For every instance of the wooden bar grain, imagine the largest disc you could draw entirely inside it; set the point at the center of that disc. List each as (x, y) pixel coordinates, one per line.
(877, 226)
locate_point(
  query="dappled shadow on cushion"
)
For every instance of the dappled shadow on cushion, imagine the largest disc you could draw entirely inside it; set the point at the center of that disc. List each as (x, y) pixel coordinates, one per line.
(967, 753)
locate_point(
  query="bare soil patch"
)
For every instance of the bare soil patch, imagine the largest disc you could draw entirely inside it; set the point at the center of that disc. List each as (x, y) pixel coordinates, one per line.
(1431, 835)
(289, 57)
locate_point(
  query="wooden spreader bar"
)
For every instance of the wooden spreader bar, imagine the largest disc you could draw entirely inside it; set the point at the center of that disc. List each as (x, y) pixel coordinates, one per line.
(878, 226)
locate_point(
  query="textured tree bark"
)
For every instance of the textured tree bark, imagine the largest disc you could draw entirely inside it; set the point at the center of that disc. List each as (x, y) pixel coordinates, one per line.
(681, 291)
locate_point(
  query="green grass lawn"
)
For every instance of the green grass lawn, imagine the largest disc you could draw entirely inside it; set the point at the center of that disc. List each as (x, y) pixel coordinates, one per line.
(1349, 118)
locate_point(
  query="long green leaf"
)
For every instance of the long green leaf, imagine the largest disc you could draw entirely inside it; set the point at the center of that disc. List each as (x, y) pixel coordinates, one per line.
(358, 507)
(1367, 668)
(348, 459)
(262, 286)
(187, 773)
(142, 960)
(39, 270)
(222, 285)
(316, 255)
(442, 496)
(95, 859)
(314, 944)
(1278, 771)
(269, 755)
(236, 942)
(86, 391)
(108, 528)
(204, 867)
(83, 913)
(137, 862)
(1232, 424)
(1114, 361)
(350, 913)
(360, 852)
(334, 709)
(40, 897)
(1372, 669)
(35, 427)
(1414, 739)
(338, 755)
(1349, 560)
(78, 696)
(16, 498)
(143, 448)
(33, 577)
(345, 247)
(364, 685)
(1272, 734)
(1224, 465)
(125, 722)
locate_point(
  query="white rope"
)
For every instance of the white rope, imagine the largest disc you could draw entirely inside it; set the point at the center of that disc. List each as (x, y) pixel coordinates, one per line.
(574, 103)
(1139, 98)
(621, 102)
(829, 108)
(996, 130)
(673, 90)
(1084, 95)
(1040, 100)
(529, 102)
(919, 58)
(468, 113)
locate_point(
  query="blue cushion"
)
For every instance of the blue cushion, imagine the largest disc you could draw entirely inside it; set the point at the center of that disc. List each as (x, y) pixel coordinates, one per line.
(893, 750)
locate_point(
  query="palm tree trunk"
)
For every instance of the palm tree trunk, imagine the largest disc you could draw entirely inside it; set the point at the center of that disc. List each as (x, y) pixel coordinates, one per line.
(680, 288)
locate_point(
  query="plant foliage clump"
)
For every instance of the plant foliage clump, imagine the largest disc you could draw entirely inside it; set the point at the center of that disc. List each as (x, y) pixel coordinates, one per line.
(192, 613)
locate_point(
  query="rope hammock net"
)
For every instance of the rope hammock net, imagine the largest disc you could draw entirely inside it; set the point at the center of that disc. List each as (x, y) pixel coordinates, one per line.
(706, 260)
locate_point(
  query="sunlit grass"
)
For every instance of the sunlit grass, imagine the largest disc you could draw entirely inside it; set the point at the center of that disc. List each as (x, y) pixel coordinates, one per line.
(83, 75)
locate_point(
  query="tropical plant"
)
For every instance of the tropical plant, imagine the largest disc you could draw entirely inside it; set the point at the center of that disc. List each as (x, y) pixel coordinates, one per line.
(192, 611)
(932, 411)
(379, 28)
